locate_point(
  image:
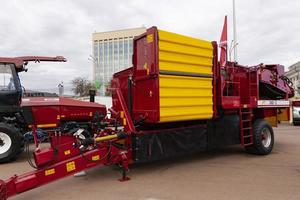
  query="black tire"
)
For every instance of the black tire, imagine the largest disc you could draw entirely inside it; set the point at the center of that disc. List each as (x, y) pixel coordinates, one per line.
(263, 138)
(296, 123)
(22, 144)
(14, 148)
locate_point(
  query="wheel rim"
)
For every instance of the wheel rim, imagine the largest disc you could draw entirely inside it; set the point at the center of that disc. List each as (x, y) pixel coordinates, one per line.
(266, 137)
(5, 143)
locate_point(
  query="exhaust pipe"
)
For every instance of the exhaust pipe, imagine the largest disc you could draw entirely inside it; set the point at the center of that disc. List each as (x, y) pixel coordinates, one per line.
(92, 95)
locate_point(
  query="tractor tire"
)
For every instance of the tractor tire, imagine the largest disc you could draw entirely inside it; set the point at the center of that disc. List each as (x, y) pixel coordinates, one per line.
(22, 144)
(10, 142)
(263, 138)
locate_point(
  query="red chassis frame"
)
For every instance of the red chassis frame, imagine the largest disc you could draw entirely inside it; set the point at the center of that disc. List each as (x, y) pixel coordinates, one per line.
(67, 156)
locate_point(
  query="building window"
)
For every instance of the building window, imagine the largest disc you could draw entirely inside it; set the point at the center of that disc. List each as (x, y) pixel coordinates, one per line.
(96, 45)
(110, 65)
(116, 55)
(130, 51)
(121, 53)
(105, 56)
(101, 57)
(125, 53)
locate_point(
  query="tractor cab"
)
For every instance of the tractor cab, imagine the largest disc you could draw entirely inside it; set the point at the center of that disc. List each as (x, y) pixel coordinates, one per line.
(10, 88)
(10, 85)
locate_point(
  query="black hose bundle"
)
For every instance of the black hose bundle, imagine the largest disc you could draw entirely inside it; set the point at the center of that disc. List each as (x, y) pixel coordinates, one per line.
(28, 156)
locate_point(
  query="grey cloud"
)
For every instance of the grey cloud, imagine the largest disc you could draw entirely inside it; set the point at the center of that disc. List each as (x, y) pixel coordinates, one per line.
(268, 30)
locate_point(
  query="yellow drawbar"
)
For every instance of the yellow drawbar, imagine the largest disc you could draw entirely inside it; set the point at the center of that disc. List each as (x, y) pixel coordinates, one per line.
(185, 80)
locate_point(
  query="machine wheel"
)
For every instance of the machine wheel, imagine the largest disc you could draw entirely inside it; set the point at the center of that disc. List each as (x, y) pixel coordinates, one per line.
(10, 142)
(22, 144)
(263, 138)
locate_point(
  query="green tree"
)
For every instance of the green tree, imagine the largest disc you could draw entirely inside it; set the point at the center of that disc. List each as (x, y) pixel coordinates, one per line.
(97, 85)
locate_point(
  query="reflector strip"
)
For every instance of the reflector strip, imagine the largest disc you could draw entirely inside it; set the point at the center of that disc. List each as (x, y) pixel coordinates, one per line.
(49, 172)
(67, 152)
(70, 166)
(95, 158)
(273, 103)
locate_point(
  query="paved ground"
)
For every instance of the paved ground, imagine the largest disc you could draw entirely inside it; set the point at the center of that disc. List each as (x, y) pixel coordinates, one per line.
(223, 174)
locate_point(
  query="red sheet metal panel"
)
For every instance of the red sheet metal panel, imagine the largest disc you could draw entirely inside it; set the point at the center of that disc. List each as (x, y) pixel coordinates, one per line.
(145, 91)
(48, 112)
(296, 103)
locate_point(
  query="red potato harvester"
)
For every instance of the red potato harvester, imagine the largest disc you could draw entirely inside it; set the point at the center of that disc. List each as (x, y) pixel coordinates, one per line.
(176, 99)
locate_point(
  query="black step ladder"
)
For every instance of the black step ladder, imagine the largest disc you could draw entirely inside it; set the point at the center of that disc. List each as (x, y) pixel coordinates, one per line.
(246, 131)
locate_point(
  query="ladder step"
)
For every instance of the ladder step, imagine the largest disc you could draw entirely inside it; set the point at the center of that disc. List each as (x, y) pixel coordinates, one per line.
(243, 116)
(246, 113)
(246, 120)
(246, 117)
(245, 109)
(246, 135)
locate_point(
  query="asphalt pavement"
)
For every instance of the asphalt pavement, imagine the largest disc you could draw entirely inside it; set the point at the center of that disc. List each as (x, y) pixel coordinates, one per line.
(227, 173)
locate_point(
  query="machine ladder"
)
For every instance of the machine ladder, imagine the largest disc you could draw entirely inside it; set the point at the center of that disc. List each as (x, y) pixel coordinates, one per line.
(253, 84)
(246, 129)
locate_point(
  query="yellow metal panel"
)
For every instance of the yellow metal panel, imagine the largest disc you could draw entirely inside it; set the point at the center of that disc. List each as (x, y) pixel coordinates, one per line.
(187, 49)
(182, 39)
(185, 98)
(185, 102)
(184, 54)
(184, 113)
(184, 67)
(283, 114)
(196, 61)
(185, 92)
(272, 121)
(186, 82)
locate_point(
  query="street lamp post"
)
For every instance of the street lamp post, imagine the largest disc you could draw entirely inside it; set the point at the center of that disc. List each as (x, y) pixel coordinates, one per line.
(234, 32)
(95, 67)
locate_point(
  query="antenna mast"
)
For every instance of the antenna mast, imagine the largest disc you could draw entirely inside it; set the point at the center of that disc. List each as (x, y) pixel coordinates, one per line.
(234, 33)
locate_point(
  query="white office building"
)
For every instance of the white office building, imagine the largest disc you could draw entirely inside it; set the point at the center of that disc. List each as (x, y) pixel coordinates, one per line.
(112, 52)
(294, 75)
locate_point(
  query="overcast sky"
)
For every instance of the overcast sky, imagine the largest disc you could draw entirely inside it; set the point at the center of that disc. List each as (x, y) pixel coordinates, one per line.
(268, 30)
